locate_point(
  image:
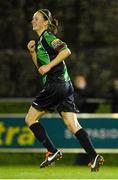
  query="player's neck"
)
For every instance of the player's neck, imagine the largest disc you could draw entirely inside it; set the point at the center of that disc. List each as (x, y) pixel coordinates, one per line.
(39, 32)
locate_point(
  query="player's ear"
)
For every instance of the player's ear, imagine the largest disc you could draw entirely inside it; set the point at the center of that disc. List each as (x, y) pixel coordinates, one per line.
(46, 22)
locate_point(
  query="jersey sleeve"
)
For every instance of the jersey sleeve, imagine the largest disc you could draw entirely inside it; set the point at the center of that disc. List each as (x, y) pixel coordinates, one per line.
(55, 43)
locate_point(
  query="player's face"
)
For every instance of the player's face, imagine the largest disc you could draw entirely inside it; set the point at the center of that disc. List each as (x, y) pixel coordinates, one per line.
(38, 22)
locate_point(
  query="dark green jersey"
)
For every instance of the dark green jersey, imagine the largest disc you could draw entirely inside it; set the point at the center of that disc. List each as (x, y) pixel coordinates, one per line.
(48, 48)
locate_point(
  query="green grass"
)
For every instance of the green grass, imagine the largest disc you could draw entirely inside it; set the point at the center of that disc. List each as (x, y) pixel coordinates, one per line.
(104, 108)
(69, 159)
(13, 107)
(22, 107)
(56, 172)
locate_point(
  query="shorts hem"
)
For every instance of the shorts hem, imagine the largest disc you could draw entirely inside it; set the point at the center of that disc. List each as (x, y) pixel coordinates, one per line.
(73, 111)
(37, 107)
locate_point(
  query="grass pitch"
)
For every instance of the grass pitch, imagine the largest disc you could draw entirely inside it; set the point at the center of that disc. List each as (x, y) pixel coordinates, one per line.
(56, 172)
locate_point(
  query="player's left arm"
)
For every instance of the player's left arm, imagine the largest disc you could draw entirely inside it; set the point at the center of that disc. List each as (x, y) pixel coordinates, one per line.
(59, 58)
(63, 54)
(58, 46)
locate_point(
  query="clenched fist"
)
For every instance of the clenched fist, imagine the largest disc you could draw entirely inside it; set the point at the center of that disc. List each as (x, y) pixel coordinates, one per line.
(31, 46)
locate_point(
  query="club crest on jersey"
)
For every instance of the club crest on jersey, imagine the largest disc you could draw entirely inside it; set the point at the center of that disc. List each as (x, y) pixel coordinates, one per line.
(56, 43)
(39, 46)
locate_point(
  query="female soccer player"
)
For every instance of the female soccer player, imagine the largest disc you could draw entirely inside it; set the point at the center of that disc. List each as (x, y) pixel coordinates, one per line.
(57, 95)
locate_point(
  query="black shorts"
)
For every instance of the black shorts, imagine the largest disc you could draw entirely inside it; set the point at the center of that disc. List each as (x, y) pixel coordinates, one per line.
(56, 97)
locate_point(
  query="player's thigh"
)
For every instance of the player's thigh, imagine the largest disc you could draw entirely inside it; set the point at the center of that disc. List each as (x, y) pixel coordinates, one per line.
(70, 119)
(33, 115)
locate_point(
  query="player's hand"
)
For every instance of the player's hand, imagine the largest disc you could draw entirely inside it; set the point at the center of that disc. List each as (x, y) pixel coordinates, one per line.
(31, 46)
(44, 69)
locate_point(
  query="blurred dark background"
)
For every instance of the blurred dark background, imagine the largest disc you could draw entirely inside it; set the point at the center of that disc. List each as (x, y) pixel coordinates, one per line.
(89, 27)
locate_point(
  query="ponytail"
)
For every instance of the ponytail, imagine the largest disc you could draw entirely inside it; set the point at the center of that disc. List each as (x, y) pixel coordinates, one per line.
(53, 26)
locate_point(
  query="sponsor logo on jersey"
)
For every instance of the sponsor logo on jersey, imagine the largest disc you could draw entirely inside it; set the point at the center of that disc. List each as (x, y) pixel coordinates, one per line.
(56, 43)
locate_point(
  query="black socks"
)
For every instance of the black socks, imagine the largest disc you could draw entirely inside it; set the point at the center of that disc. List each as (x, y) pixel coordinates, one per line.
(41, 134)
(86, 143)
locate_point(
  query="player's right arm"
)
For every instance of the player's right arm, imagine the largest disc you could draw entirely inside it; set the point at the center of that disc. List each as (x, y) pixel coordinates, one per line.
(31, 47)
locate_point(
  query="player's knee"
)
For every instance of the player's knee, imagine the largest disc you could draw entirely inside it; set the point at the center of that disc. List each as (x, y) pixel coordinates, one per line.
(29, 121)
(69, 126)
(26, 119)
(73, 128)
